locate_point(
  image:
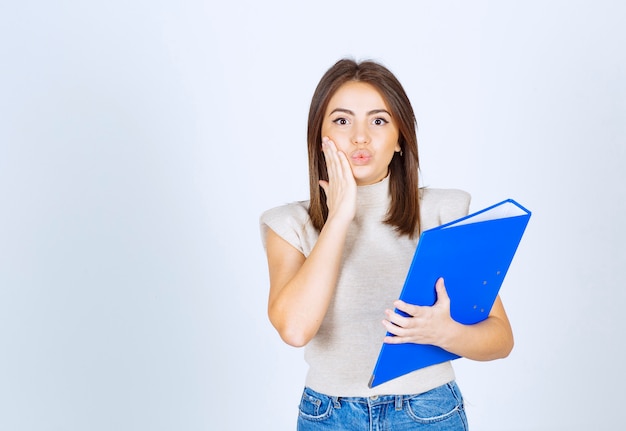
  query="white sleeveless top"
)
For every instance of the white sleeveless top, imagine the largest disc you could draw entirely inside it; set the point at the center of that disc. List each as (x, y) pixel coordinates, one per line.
(376, 259)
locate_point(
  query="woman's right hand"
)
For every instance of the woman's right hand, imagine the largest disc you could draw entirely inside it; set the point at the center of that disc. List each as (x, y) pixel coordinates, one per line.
(340, 189)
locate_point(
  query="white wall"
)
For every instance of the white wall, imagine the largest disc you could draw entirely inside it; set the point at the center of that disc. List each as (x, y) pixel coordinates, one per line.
(139, 142)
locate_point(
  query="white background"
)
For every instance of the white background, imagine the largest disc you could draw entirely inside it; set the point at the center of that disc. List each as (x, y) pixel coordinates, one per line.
(140, 141)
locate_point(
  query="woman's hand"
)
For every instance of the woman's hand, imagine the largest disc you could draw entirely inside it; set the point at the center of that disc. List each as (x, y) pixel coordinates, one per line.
(426, 325)
(340, 189)
(484, 341)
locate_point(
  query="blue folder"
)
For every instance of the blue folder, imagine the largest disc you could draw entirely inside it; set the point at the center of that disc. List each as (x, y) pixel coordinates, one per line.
(473, 255)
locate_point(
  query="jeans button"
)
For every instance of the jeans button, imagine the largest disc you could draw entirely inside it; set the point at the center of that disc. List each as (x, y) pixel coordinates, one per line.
(374, 397)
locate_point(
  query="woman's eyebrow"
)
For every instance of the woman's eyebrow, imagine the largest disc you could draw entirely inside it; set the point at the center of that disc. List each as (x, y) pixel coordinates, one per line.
(379, 111)
(342, 110)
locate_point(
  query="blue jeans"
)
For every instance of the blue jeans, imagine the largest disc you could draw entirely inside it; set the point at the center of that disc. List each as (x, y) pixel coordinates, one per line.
(440, 409)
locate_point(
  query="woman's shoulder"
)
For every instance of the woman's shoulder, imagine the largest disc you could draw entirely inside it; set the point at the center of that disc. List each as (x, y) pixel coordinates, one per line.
(290, 221)
(439, 206)
(298, 210)
(432, 195)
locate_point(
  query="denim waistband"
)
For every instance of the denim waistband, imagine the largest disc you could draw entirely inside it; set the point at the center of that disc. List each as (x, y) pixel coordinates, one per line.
(374, 400)
(440, 408)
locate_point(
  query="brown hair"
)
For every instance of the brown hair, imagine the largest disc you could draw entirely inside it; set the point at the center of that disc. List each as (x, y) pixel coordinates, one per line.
(404, 210)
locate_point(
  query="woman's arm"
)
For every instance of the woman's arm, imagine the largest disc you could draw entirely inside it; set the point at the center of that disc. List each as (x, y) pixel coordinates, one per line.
(301, 288)
(487, 340)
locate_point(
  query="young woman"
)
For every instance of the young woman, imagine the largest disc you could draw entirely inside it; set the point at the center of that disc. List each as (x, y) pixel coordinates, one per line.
(337, 263)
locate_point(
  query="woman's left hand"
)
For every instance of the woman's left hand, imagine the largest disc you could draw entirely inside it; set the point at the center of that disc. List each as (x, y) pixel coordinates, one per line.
(489, 339)
(425, 324)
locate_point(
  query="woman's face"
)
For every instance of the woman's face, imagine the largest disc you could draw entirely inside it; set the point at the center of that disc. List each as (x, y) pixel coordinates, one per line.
(359, 122)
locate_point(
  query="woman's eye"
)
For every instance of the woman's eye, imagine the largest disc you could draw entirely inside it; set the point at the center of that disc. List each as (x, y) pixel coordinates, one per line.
(380, 121)
(341, 121)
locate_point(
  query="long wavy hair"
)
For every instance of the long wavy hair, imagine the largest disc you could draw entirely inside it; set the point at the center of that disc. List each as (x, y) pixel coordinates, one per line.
(404, 211)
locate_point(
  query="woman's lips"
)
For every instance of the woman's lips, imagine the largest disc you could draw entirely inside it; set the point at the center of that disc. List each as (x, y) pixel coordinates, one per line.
(361, 157)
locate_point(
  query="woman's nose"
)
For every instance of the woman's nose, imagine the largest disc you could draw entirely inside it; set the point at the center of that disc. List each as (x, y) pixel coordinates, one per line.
(361, 135)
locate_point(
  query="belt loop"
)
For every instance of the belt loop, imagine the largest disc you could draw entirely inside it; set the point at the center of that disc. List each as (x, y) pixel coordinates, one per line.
(399, 402)
(336, 402)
